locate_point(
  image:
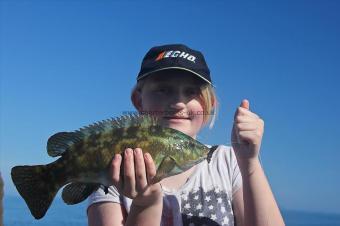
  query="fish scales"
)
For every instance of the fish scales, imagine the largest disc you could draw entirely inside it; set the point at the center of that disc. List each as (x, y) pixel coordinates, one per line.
(85, 156)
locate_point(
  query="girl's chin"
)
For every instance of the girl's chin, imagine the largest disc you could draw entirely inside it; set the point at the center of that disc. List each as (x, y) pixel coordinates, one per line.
(180, 126)
(175, 122)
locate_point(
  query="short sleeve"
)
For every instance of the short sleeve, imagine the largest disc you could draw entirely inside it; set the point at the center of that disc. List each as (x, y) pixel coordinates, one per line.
(100, 196)
(227, 167)
(236, 174)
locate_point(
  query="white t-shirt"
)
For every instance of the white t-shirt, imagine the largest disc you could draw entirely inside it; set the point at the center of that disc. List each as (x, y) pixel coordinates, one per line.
(205, 199)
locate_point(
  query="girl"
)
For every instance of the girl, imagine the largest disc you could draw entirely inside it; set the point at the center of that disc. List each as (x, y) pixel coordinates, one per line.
(174, 84)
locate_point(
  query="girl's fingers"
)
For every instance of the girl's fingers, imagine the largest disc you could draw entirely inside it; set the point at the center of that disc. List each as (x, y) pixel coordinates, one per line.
(115, 171)
(129, 173)
(141, 181)
(242, 118)
(252, 137)
(245, 126)
(245, 104)
(244, 112)
(150, 167)
(137, 168)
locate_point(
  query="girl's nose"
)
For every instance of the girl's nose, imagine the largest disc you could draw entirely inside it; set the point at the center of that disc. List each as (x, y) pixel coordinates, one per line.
(177, 100)
(179, 105)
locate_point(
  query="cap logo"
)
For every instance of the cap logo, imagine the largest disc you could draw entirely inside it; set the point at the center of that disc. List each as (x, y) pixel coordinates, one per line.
(175, 54)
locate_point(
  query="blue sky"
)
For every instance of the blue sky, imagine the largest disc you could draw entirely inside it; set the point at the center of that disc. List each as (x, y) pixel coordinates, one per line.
(65, 64)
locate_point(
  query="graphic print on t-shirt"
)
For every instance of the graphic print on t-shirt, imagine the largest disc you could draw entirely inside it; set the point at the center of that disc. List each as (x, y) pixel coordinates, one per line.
(212, 207)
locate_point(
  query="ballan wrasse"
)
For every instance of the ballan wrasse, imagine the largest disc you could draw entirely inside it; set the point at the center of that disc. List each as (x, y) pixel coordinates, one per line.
(85, 156)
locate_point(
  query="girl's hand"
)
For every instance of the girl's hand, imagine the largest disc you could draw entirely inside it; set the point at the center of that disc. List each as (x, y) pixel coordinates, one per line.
(247, 133)
(136, 183)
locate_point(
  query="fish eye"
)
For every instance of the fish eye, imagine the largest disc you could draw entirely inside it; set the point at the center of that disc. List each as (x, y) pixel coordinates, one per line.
(154, 130)
(192, 145)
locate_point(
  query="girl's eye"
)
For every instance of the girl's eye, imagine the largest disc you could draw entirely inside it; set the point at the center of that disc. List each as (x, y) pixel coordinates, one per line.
(162, 90)
(192, 92)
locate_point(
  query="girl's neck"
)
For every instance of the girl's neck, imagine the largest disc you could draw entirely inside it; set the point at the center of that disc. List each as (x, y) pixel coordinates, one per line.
(177, 181)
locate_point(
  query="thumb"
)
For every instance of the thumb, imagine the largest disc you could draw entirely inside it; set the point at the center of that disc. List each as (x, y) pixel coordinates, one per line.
(245, 104)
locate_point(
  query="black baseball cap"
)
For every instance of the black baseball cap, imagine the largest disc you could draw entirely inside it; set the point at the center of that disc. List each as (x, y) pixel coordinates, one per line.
(174, 56)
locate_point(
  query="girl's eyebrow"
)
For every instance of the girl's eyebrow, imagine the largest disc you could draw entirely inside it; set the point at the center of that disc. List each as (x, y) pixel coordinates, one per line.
(157, 83)
(157, 80)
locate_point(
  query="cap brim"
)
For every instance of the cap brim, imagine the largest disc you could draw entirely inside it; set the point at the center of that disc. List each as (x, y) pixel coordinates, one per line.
(167, 68)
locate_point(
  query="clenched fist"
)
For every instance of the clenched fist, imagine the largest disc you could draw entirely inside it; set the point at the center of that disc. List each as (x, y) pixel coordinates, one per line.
(247, 133)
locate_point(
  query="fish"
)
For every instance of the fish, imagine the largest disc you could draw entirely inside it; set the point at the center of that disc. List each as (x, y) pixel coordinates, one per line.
(85, 155)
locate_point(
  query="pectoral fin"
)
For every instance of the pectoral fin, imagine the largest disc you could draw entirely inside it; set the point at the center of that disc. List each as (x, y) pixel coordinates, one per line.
(77, 192)
(165, 169)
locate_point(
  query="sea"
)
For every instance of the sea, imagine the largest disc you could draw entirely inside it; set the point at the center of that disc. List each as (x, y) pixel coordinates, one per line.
(16, 213)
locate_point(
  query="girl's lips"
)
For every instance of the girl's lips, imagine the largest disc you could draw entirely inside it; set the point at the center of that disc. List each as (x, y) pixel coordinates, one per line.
(176, 119)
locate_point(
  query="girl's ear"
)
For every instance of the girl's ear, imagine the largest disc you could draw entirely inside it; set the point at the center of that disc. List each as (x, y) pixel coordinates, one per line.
(136, 98)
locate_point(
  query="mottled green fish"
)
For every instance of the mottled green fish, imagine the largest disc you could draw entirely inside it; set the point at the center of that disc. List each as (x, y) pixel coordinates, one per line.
(86, 154)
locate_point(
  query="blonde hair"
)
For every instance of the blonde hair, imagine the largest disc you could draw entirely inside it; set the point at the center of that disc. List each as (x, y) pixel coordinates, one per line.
(207, 98)
(210, 104)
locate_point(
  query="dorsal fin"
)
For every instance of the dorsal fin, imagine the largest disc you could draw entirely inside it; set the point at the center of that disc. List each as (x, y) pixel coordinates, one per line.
(60, 142)
(128, 120)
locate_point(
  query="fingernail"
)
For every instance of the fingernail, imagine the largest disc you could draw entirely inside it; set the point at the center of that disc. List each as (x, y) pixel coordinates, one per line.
(128, 151)
(137, 151)
(117, 156)
(147, 156)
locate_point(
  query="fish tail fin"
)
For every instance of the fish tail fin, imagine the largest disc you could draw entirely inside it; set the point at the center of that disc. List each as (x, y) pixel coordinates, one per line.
(36, 185)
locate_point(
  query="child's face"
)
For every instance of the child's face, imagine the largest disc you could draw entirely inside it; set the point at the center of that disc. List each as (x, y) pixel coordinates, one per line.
(173, 97)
